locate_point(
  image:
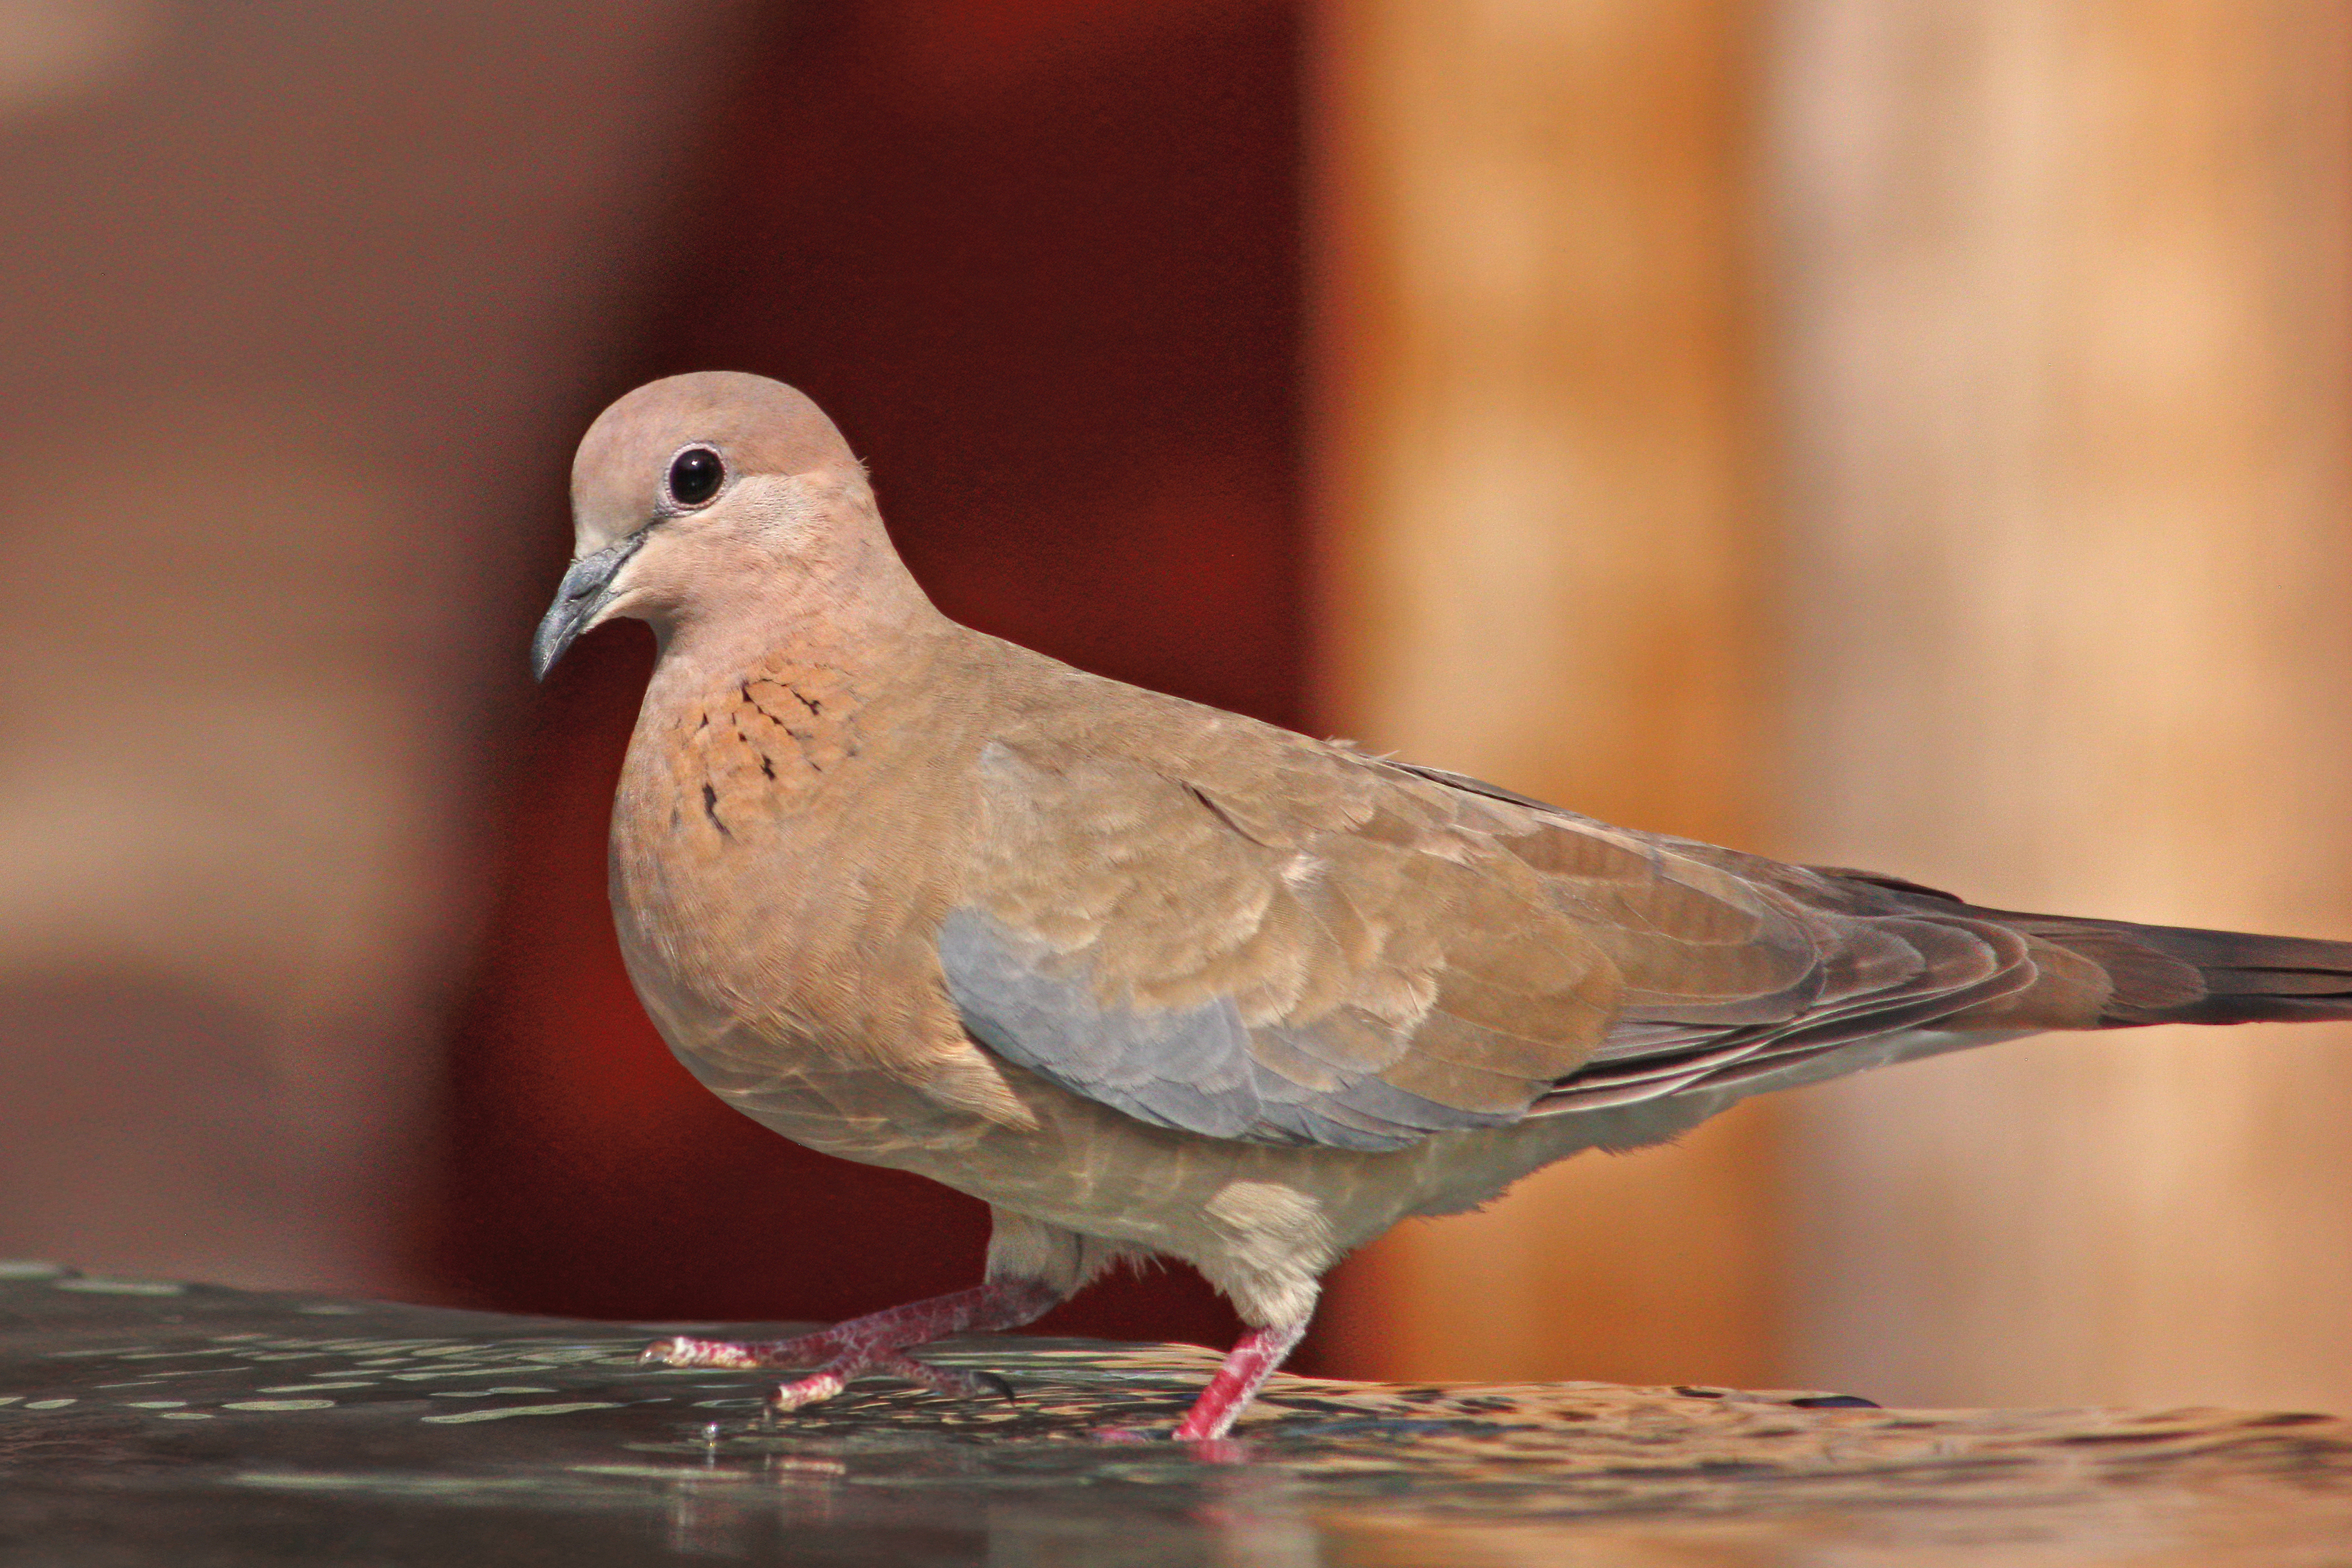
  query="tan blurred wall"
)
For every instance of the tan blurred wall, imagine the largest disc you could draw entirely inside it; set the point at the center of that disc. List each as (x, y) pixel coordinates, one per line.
(2061, 296)
(303, 302)
(1539, 502)
(2030, 480)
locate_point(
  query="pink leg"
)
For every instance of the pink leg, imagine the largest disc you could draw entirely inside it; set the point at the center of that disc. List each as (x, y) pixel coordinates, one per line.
(875, 1342)
(1247, 1366)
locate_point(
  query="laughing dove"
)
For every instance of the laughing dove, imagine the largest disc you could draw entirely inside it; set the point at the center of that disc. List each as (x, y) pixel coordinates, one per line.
(1148, 978)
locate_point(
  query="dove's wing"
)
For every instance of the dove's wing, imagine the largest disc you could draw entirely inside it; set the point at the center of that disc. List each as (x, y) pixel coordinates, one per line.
(1263, 937)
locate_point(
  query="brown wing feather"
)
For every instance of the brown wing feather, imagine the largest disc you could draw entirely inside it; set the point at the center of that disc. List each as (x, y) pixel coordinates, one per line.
(1254, 934)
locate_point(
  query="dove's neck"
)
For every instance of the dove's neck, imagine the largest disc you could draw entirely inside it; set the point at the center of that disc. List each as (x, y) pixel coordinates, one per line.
(852, 608)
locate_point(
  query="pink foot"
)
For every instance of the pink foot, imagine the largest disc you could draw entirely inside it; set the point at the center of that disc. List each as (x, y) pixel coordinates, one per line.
(1247, 1366)
(875, 1342)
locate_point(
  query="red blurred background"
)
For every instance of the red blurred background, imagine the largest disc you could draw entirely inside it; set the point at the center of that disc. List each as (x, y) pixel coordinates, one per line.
(1041, 263)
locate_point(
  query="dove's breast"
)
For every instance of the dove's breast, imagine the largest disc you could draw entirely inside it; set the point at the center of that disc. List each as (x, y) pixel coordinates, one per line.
(776, 870)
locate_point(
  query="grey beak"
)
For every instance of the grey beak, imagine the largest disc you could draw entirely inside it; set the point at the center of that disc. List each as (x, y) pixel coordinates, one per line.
(586, 585)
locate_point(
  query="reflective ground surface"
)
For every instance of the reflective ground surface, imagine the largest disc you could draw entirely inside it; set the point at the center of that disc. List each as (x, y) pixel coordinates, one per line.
(154, 1422)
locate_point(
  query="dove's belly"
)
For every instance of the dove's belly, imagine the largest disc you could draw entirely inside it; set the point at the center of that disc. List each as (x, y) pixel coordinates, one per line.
(1261, 1222)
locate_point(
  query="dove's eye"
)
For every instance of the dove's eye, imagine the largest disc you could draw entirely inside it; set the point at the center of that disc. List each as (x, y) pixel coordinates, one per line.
(694, 476)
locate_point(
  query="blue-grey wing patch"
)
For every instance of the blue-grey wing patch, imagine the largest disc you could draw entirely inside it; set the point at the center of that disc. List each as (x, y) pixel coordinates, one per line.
(1191, 1069)
(1186, 1069)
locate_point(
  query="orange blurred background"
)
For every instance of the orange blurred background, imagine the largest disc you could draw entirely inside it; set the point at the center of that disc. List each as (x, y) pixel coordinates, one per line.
(1917, 437)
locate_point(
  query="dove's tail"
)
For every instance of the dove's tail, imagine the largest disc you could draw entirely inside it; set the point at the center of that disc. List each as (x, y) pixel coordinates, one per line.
(2069, 973)
(2172, 974)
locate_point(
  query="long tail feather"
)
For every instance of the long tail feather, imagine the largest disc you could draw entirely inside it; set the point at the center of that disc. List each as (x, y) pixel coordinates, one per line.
(2180, 974)
(2170, 974)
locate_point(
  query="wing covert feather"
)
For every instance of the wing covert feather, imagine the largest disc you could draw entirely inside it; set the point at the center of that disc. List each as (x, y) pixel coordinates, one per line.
(1260, 937)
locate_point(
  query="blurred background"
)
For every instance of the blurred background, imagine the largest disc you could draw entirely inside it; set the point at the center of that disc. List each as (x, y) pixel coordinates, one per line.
(1909, 435)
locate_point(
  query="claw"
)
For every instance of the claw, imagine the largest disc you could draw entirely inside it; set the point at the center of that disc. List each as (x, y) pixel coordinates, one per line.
(678, 1349)
(828, 1381)
(814, 1389)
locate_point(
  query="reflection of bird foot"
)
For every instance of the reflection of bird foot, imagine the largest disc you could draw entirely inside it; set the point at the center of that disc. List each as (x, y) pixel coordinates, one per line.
(1208, 1450)
(1121, 1435)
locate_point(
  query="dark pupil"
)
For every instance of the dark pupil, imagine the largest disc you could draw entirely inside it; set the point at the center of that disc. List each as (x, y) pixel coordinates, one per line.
(694, 474)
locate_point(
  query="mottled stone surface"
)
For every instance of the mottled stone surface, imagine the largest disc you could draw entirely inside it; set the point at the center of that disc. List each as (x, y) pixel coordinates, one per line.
(151, 1421)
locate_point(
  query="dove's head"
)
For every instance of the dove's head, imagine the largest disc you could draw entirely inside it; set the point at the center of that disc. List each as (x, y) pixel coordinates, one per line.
(715, 495)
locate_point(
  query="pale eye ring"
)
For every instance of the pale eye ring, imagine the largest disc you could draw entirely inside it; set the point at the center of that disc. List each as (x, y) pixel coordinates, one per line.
(695, 475)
